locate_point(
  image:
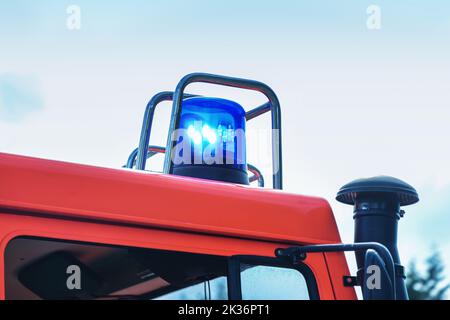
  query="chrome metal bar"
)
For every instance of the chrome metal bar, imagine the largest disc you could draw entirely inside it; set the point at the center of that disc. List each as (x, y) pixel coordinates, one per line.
(236, 83)
(147, 125)
(132, 159)
(359, 246)
(258, 111)
(151, 151)
(257, 175)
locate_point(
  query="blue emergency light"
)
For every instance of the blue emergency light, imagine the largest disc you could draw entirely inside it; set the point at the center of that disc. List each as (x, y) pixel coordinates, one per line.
(211, 140)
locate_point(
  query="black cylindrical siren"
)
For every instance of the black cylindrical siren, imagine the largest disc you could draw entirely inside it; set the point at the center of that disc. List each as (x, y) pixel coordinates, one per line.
(377, 202)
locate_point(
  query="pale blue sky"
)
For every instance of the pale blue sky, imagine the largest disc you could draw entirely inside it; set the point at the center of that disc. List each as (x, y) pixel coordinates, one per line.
(355, 102)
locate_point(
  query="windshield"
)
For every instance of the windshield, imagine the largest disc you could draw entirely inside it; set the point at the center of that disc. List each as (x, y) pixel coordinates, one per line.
(37, 268)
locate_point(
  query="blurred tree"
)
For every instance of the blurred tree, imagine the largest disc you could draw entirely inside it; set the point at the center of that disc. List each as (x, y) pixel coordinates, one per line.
(428, 285)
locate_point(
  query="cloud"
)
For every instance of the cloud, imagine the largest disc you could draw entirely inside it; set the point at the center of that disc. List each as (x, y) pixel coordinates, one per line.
(19, 95)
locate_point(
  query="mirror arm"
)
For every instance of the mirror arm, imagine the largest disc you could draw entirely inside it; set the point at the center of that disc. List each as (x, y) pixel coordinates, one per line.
(297, 254)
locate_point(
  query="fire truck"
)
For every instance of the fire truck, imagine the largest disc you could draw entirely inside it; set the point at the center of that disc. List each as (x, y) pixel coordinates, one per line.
(205, 228)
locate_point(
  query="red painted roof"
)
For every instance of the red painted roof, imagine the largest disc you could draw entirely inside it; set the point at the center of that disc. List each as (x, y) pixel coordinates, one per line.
(165, 201)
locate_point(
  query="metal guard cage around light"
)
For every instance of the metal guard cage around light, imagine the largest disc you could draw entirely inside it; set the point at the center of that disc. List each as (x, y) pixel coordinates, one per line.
(210, 140)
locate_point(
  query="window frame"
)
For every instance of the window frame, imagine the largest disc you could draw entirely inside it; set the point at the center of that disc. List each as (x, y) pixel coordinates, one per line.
(234, 273)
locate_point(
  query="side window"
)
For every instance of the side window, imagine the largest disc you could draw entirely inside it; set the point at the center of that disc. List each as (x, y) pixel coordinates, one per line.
(273, 283)
(265, 278)
(39, 268)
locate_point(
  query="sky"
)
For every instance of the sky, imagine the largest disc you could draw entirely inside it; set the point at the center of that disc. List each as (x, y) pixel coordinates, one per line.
(357, 100)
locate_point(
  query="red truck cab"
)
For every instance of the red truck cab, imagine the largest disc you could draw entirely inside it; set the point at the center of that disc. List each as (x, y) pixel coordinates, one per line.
(144, 235)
